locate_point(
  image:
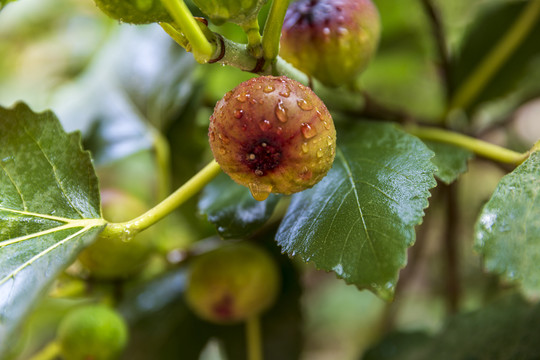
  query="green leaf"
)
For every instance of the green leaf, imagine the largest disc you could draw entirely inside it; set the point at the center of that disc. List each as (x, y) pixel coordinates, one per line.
(451, 161)
(232, 208)
(486, 32)
(49, 208)
(507, 232)
(359, 220)
(506, 329)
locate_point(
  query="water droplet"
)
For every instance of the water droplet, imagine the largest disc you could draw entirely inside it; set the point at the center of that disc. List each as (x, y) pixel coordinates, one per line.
(238, 113)
(304, 105)
(264, 144)
(224, 139)
(268, 89)
(305, 173)
(259, 172)
(251, 157)
(222, 151)
(342, 31)
(243, 97)
(326, 31)
(265, 125)
(326, 125)
(329, 140)
(305, 147)
(320, 153)
(260, 192)
(281, 112)
(286, 93)
(279, 130)
(253, 101)
(308, 131)
(212, 136)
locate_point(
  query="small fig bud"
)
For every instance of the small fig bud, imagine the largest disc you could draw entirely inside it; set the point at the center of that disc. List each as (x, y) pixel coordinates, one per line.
(134, 11)
(232, 283)
(331, 40)
(92, 332)
(115, 258)
(273, 134)
(235, 11)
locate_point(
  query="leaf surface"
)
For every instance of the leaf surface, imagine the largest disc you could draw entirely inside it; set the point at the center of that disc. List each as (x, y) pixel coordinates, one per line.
(507, 232)
(49, 208)
(232, 208)
(359, 220)
(451, 161)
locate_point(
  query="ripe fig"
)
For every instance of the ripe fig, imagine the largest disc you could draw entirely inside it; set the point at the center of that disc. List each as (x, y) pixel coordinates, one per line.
(116, 258)
(235, 11)
(232, 283)
(331, 40)
(273, 134)
(92, 332)
(134, 11)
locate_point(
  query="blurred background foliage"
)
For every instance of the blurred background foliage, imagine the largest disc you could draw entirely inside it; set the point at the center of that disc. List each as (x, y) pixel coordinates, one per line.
(141, 102)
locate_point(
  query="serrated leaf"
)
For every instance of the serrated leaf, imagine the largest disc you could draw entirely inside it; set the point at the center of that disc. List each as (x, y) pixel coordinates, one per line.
(359, 220)
(49, 208)
(506, 329)
(232, 209)
(507, 232)
(486, 32)
(451, 161)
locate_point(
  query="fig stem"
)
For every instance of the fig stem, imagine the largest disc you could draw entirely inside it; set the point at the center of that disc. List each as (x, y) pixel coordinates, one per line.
(479, 147)
(251, 28)
(493, 61)
(49, 352)
(158, 212)
(254, 338)
(202, 48)
(272, 29)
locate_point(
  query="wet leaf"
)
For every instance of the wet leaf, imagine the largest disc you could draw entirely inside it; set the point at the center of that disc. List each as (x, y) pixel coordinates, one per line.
(451, 161)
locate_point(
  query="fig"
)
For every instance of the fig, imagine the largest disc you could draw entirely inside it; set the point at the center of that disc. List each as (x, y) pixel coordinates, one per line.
(232, 283)
(273, 134)
(134, 11)
(331, 40)
(236, 11)
(92, 332)
(118, 258)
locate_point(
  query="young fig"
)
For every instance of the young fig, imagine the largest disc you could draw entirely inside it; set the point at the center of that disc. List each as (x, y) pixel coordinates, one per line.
(235, 11)
(134, 11)
(92, 332)
(273, 134)
(331, 40)
(232, 283)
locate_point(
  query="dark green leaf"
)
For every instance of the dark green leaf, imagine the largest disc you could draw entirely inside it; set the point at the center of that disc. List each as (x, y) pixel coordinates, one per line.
(508, 229)
(49, 208)
(359, 220)
(483, 36)
(506, 329)
(232, 208)
(451, 161)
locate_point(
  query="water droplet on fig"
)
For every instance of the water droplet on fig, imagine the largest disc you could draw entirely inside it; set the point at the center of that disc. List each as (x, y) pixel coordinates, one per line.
(326, 125)
(242, 97)
(304, 105)
(268, 89)
(238, 113)
(212, 136)
(329, 140)
(265, 125)
(260, 192)
(320, 153)
(225, 140)
(305, 147)
(308, 131)
(259, 172)
(222, 151)
(279, 130)
(251, 157)
(286, 93)
(305, 173)
(244, 126)
(281, 112)
(326, 31)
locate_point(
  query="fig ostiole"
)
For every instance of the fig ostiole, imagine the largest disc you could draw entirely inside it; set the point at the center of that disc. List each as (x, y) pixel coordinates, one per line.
(273, 134)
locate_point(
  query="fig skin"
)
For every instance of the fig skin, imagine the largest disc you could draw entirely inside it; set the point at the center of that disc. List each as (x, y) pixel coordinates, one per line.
(232, 283)
(331, 40)
(273, 134)
(118, 258)
(236, 11)
(92, 332)
(134, 11)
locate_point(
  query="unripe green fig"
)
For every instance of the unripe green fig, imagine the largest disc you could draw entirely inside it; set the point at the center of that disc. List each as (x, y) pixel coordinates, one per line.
(331, 40)
(235, 11)
(273, 134)
(93, 332)
(117, 258)
(232, 283)
(134, 11)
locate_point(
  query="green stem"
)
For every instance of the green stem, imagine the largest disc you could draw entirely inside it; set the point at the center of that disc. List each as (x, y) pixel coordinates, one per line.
(185, 192)
(176, 35)
(497, 57)
(51, 351)
(272, 29)
(163, 158)
(203, 49)
(254, 338)
(251, 28)
(479, 147)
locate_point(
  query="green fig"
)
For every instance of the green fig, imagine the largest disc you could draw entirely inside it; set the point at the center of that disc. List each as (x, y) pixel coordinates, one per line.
(134, 11)
(273, 134)
(236, 11)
